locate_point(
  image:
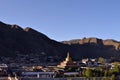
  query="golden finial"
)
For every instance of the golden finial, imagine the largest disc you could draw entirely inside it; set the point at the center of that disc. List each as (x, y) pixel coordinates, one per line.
(68, 58)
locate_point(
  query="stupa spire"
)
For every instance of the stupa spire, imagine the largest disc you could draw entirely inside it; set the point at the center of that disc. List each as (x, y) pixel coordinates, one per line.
(68, 58)
(68, 55)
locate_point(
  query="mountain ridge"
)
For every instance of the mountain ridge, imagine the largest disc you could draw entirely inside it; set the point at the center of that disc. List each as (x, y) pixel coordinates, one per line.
(14, 40)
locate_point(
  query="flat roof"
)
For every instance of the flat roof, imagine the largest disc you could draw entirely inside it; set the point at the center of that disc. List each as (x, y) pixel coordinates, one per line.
(35, 73)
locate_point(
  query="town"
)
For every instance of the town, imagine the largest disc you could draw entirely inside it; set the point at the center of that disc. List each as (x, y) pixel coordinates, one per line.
(29, 67)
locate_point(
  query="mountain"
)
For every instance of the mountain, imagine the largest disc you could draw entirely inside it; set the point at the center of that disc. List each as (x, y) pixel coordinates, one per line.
(94, 48)
(16, 40)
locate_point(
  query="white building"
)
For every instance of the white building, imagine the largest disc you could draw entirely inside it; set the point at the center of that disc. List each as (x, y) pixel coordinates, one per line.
(39, 74)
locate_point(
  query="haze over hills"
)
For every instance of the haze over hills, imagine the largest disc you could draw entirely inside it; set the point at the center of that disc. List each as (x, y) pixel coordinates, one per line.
(14, 40)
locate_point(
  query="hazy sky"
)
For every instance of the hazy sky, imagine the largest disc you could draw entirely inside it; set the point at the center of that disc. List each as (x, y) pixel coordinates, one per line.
(65, 19)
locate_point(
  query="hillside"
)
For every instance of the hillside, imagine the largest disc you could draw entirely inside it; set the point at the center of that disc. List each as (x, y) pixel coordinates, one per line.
(94, 47)
(14, 40)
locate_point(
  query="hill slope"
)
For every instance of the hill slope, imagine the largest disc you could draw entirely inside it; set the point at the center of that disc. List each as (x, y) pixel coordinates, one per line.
(14, 39)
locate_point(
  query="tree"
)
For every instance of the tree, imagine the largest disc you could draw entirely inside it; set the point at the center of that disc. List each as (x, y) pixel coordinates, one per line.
(88, 73)
(101, 60)
(113, 77)
(116, 67)
(83, 73)
(70, 69)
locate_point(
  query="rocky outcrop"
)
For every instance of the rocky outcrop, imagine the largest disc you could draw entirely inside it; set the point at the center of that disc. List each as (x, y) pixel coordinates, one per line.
(94, 47)
(83, 41)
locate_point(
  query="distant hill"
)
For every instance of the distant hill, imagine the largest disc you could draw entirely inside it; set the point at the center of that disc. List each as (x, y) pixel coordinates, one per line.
(14, 40)
(94, 48)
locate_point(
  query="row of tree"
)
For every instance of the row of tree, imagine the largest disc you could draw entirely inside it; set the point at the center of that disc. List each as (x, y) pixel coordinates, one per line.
(103, 71)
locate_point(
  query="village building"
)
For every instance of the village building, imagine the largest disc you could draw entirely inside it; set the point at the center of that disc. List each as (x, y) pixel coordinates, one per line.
(90, 62)
(38, 74)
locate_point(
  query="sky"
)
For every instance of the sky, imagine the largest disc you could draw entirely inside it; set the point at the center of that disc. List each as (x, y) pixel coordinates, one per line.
(65, 19)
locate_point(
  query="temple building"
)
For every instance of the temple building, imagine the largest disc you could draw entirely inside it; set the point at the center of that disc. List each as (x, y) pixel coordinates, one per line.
(67, 62)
